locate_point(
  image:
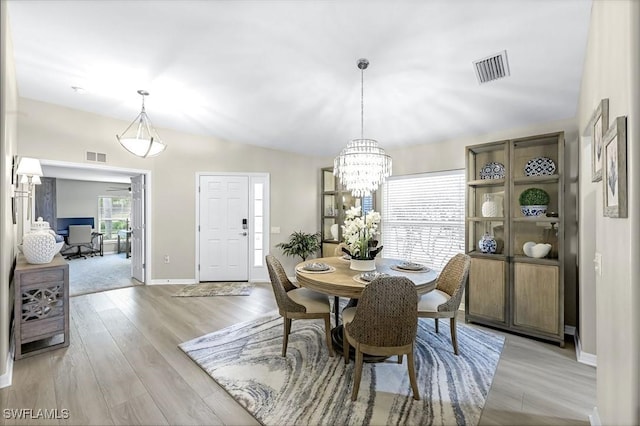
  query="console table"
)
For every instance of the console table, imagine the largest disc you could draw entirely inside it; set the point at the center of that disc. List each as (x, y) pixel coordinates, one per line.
(41, 306)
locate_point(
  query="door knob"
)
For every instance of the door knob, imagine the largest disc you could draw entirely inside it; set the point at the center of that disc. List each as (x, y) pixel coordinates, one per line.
(244, 233)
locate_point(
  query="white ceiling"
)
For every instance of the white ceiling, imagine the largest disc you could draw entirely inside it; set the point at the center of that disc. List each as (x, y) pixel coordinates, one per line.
(283, 74)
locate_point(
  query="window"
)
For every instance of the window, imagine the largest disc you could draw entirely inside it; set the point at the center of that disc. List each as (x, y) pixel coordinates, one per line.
(113, 215)
(258, 225)
(423, 217)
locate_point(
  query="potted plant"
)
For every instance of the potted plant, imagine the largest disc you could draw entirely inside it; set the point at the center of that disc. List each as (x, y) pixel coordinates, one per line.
(534, 202)
(301, 244)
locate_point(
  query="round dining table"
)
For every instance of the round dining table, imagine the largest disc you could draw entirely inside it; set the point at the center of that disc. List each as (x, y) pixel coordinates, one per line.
(341, 281)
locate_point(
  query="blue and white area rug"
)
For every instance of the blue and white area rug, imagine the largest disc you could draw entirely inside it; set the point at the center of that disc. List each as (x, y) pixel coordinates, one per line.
(307, 387)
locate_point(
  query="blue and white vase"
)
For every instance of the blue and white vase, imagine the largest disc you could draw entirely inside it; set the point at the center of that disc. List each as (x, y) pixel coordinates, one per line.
(487, 244)
(534, 210)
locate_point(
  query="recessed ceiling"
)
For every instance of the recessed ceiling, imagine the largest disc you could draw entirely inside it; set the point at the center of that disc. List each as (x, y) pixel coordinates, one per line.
(283, 74)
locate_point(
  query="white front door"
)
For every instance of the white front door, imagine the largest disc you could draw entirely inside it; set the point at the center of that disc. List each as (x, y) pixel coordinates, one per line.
(224, 214)
(137, 227)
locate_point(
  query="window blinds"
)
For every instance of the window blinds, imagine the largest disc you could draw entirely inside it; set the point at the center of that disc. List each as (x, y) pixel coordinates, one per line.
(423, 217)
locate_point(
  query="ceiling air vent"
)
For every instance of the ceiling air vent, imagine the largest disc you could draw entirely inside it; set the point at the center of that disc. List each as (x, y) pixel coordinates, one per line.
(97, 157)
(492, 68)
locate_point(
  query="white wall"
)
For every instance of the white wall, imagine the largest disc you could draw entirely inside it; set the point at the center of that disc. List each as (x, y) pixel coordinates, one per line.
(57, 133)
(612, 70)
(8, 144)
(449, 154)
(76, 198)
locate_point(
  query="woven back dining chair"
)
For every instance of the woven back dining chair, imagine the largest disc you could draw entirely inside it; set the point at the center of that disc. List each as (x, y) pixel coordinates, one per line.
(383, 323)
(444, 301)
(297, 303)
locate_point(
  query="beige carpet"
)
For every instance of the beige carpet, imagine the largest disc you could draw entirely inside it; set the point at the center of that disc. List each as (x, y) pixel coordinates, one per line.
(216, 289)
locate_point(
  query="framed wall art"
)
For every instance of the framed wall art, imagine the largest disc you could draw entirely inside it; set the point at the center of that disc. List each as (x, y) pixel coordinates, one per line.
(615, 169)
(597, 127)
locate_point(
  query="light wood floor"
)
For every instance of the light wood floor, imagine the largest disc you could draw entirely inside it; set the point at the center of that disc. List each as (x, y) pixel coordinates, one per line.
(124, 367)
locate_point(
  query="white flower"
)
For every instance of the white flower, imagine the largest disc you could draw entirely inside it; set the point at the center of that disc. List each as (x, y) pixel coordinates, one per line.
(358, 231)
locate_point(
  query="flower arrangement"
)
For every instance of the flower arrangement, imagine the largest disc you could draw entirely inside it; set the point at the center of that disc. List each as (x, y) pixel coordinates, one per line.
(359, 233)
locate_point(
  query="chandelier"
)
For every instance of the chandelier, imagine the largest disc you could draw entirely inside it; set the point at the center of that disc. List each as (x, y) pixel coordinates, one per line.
(142, 140)
(362, 165)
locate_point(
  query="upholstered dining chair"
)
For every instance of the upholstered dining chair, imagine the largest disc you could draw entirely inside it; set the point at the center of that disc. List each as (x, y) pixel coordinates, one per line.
(384, 322)
(297, 303)
(444, 301)
(338, 250)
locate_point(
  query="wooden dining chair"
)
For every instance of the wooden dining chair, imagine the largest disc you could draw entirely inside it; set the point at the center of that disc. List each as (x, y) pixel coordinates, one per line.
(444, 301)
(297, 303)
(385, 323)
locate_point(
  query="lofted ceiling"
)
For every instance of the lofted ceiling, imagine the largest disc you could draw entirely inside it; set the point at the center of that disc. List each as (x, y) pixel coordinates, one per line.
(283, 74)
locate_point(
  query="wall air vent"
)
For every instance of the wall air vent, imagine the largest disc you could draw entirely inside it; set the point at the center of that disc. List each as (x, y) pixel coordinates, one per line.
(97, 157)
(492, 67)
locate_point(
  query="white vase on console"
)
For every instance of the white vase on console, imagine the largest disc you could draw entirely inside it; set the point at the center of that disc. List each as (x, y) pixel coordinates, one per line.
(39, 246)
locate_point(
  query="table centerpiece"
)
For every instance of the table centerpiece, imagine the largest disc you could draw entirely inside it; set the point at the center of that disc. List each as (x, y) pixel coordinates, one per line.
(359, 232)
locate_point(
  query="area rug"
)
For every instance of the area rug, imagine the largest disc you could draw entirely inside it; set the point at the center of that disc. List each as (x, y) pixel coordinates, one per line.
(307, 387)
(216, 289)
(99, 273)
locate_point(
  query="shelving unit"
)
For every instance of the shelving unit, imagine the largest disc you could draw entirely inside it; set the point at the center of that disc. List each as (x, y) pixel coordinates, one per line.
(508, 289)
(335, 201)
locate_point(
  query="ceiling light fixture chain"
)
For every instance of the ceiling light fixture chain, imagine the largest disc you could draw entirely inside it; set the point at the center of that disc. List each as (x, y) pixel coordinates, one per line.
(362, 165)
(144, 141)
(362, 64)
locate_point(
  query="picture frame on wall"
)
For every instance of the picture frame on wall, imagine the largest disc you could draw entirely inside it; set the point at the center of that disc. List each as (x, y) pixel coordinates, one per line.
(615, 169)
(597, 128)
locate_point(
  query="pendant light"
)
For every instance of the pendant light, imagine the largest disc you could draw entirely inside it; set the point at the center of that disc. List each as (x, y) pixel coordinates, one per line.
(140, 138)
(362, 165)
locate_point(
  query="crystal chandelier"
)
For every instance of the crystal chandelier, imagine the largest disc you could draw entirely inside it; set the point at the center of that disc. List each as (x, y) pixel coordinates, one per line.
(362, 165)
(142, 140)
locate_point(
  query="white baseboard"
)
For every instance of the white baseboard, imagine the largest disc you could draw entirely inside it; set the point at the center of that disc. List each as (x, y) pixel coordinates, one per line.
(570, 330)
(188, 281)
(594, 418)
(171, 281)
(584, 357)
(7, 378)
